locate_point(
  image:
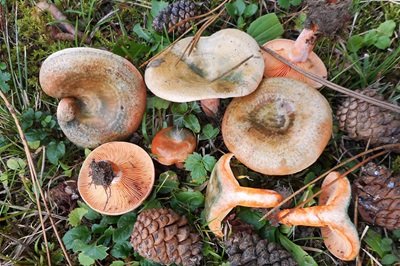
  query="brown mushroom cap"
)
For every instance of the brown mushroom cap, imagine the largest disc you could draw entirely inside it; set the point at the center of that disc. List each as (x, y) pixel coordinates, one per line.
(226, 64)
(173, 145)
(275, 68)
(224, 193)
(103, 96)
(280, 129)
(339, 233)
(133, 181)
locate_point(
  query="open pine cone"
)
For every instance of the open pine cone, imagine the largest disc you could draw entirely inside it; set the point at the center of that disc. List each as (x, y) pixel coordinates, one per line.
(163, 236)
(249, 249)
(367, 122)
(379, 196)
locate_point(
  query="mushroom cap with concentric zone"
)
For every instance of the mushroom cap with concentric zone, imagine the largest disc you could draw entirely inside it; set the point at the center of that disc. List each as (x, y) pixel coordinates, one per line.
(132, 183)
(280, 129)
(275, 68)
(103, 96)
(227, 64)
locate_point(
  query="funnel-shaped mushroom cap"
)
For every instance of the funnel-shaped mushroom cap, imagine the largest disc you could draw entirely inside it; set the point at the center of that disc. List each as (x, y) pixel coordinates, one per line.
(340, 236)
(224, 193)
(280, 129)
(103, 96)
(133, 179)
(226, 64)
(275, 68)
(173, 145)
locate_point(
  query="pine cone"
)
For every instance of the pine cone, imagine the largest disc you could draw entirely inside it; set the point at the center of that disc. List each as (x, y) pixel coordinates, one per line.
(177, 12)
(379, 196)
(250, 250)
(364, 121)
(163, 236)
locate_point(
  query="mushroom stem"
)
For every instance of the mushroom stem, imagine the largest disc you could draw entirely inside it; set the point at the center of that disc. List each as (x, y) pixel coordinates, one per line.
(67, 109)
(303, 45)
(210, 107)
(312, 216)
(256, 198)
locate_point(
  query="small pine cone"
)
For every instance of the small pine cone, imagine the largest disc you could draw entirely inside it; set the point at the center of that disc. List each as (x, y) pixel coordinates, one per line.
(379, 196)
(176, 12)
(364, 121)
(164, 236)
(249, 249)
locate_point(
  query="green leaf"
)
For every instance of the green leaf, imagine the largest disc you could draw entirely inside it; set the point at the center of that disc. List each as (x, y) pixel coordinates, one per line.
(91, 214)
(251, 217)
(128, 48)
(75, 216)
(142, 33)
(240, 7)
(208, 132)
(124, 227)
(383, 42)
(121, 250)
(387, 244)
(355, 43)
(209, 162)
(81, 232)
(285, 4)
(157, 6)
(295, 2)
(167, 182)
(117, 263)
(370, 37)
(250, 10)
(179, 108)
(389, 259)
(231, 9)
(144, 262)
(192, 199)
(194, 164)
(265, 28)
(95, 252)
(387, 28)
(190, 121)
(55, 151)
(374, 241)
(4, 78)
(300, 256)
(85, 260)
(16, 164)
(157, 103)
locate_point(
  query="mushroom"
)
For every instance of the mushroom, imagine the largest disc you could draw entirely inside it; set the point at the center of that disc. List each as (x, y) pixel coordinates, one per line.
(173, 145)
(116, 178)
(339, 233)
(227, 64)
(103, 96)
(224, 193)
(279, 129)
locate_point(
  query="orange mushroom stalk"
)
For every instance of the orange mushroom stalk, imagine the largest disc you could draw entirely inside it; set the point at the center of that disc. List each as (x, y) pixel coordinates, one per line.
(173, 145)
(224, 193)
(339, 233)
(116, 178)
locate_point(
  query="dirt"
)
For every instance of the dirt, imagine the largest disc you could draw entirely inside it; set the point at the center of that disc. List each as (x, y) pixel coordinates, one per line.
(102, 173)
(328, 17)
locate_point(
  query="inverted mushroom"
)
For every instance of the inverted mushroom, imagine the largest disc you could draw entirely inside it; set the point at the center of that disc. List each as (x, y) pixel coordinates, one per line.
(116, 178)
(280, 129)
(103, 95)
(173, 145)
(224, 193)
(226, 64)
(339, 233)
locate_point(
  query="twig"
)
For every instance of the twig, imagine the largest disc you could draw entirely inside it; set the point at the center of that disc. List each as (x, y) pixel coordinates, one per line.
(386, 147)
(233, 68)
(36, 183)
(332, 85)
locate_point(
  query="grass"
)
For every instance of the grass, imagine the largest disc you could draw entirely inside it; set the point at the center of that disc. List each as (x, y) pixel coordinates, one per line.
(114, 26)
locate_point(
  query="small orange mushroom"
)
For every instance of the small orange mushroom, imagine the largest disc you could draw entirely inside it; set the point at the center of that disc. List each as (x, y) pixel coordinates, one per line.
(173, 145)
(224, 193)
(116, 178)
(339, 233)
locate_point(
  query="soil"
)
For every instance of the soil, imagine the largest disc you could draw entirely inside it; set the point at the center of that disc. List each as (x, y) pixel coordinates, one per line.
(102, 173)
(327, 16)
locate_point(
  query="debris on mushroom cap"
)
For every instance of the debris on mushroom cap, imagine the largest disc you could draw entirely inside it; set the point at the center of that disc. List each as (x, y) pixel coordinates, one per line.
(127, 182)
(275, 68)
(103, 95)
(224, 193)
(226, 64)
(339, 233)
(173, 145)
(280, 129)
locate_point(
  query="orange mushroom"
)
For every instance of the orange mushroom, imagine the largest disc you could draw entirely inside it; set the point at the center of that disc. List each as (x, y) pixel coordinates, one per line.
(116, 178)
(103, 96)
(280, 129)
(224, 193)
(339, 233)
(173, 145)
